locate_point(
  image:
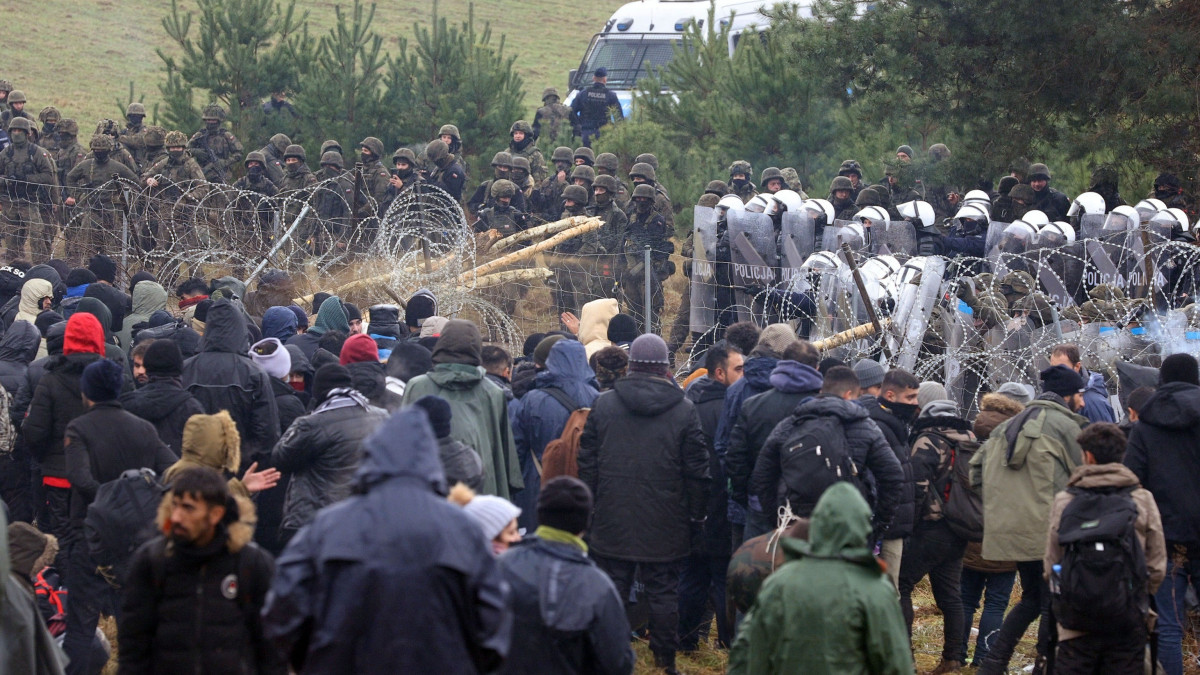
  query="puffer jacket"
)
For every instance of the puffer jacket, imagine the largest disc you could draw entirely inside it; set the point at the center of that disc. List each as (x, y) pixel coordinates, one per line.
(177, 331)
(18, 348)
(164, 403)
(56, 402)
(1164, 453)
(370, 379)
(643, 456)
(322, 451)
(896, 433)
(223, 377)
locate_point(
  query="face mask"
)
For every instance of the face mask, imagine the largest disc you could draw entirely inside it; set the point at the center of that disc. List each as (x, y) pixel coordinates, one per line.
(740, 183)
(212, 125)
(603, 200)
(135, 120)
(367, 157)
(905, 412)
(644, 205)
(405, 172)
(293, 169)
(48, 129)
(255, 171)
(100, 155)
(298, 385)
(18, 137)
(519, 176)
(575, 210)
(500, 172)
(176, 155)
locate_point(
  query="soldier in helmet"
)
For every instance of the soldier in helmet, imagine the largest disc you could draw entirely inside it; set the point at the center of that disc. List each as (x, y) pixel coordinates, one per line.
(595, 107)
(521, 178)
(610, 238)
(375, 178)
(172, 178)
(334, 192)
(771, 180)
(850, 169)
(16, 108)
(552, 114)
(647, 229)
(717, 188)
(501, 170)
(273, 153)
(256, 179)
(297, 175)
(404, 174)
(1045, 198)
(5, 90)
(791, 181)
(447, 173)
(49, 117)
(30, 185)
(574, 262)
(69, 152)
(584, 176)
(502, 216)
(1169, 190)
(739, 180)
(215, 149)
(297, 179)
(584, 156)
(333, 146)
(524, 144)
(449, 135)
(154, 137)
(109, 128)
(1015, 286)
(546, 197)
(90, 186)
(133, 135)
(607, 164)
(839, 196)
(644, 174)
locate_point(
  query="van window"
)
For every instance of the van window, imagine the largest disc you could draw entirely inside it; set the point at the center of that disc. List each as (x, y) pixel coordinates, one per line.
(627, 60)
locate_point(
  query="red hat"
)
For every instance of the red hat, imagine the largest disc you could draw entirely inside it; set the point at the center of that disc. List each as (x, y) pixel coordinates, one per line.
(358, 349)
(84, 335)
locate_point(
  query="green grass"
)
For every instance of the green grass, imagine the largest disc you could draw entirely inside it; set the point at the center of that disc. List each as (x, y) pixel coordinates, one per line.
(81, 56)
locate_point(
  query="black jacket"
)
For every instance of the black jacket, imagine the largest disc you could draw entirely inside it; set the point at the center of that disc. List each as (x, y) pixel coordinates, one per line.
(287, 403)
(567, 615)
(103, 443)
(322, 452)
(1053, 203)
(1164, 453)
(222, 377)
(193, 609)
(868, 448)
(370, 379)
(56, 402)
(709, 397)
(164, 403)
(184, 337)
(896, 433)
(643, 456)
(307, 342)
(118, 304)
(18, 348)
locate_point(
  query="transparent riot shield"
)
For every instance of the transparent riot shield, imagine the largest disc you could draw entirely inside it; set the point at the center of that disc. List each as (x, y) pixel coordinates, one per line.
(918, 287)
(1091, 225)
(1010, 252)
(963, 350)
(844, 232)
(1060, 272)
(797, 243)
(994, 230)
(893, 237)
(704, 270)
(753, 255)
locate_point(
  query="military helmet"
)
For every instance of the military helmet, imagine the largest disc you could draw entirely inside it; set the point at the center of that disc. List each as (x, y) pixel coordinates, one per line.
(19, 123)
(503, 188)
(561, 154)
(868, 198)
(1023, 192)
(296, 151)
(502, 159)
(108, 127)
(521, 125)
(647, 158)
(280, 142)
(213, 111)
(840, 183)
(587, 173)
(608, 183)
(335, 158)
(176, 139)
(521, 163)
(708, 199)
(1039, 171)
(49, 112)
(608, 162)
(576, 193)
(451, 130)
(154, 136)
(850, 167)
(67, 127)
(135, 108)
(548, 92)
(102, 142)
(740, 166)
(5, 85)
(16, 96)
(405, 154)
(331, 145)
(770, 173)
(374, 145)
(1021, 282)
(255, 156)
(643, 191)
(642, 169)
(716, 187)
(437, 150)
(586, 155)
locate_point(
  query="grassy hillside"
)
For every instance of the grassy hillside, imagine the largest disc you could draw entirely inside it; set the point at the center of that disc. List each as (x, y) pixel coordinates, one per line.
(81, 56)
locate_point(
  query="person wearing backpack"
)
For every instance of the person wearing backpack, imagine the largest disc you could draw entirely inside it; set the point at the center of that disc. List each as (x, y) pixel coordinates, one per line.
(1106, 554)
(1026, 461)
(941, 440)
(100, 445)
(564, 386)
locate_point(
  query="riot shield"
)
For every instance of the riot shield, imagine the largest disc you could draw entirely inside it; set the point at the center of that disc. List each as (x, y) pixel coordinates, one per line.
(919, 286)
(1010, 251)
(995, 229)
(704, 271)
(753, 256)
(963, 349)
(1061, 273)
(893, 237)
(844, 232)
(798, 242)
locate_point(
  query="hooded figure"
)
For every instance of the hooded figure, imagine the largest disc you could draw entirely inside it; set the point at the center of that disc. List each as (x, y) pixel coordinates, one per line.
(429, 576)
(331, 316)
(593, 324)
(480, 416)
(32, 293)
(18, 348)
(541, 415)
(44, 272)
(148, 298)
(27, 646)
(223, 377)
(211, 441)
(830, 609)
(279, 323)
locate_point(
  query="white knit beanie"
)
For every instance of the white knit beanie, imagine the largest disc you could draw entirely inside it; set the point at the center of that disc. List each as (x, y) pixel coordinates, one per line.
(271, 356)
(492, 513)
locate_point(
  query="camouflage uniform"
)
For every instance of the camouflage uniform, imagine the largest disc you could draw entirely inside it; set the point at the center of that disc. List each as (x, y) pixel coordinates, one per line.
(255, 213)
(528, 149)
(99, 223)
(10, 113)
(216, 150)
(47, 138)
(133, 136)
(607, 164)
(447, 173)
(545, 200)
(662, 203)
(273, 154)
(573, 262)
(256, 181)
(298, 176)
(521, 178)
(609, 239)
(552, 114)
(375, 176)
(6, 87)
(647, 228)
(177, 176)
(482, 197)
(30, 181)
(333, 194)
(506, 220)
(69, 153)
(119, 153)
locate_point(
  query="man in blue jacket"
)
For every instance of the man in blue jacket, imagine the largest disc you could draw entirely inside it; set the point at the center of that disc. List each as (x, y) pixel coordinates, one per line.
(1096, 406)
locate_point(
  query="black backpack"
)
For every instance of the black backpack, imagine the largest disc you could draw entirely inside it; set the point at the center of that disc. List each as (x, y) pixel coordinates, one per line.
(815, 455)
(962, 507)
(1099, 585)
(121, 519)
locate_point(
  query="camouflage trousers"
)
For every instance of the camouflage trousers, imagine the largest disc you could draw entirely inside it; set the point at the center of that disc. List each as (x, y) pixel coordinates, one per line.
(23, 220)
(580, 279)
(633, 294)
(94, 231)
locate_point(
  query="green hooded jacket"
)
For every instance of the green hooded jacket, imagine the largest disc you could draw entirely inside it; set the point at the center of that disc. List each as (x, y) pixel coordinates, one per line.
(829, 610)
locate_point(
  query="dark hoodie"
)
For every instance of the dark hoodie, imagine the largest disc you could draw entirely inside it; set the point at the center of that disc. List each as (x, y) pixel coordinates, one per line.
(280, 323)
(449, 598)
(223, 377)
(644, 456)
(1164, 453)
(18, 348)
(896, 432)
(98, 309)
(164, 403)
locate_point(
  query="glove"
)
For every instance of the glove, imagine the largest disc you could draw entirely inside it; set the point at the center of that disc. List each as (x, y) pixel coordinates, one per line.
(966, 291)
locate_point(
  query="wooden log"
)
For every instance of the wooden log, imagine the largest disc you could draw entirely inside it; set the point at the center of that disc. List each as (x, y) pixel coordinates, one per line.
(512, 276)
(857, 333)
(540, 231)
(589, 225)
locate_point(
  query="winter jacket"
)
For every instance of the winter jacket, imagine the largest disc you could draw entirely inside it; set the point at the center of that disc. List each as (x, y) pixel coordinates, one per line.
(33, 375)
(755, 380)
(480, 419)
(791, 383)
(593, 324)
(830, 609)
(56, 402)
(643, 456)
(18, 348)
(1148, 524)
(31, 294)
(880, 474)
(709, 398)
(394, 579)
(1026, 461)
(211, 441)
(1051, 202)
(1096, 405)
(25, 644)
(279, 323)
(370, 379)
(1164, 453)
(567, 615)
(322, 450)
(184, 337)
(164, 403)
(189, 609)
(307, 342)
(896, 433)
(936, 440)
(539, 418)
(287, 403)
(148, 297)
(223, 377)
(117, 303)
(103, 443)
(994, 409)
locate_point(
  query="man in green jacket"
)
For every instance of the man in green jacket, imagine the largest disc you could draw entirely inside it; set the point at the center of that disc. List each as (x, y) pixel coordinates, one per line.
(830, 608)
(1026, 461)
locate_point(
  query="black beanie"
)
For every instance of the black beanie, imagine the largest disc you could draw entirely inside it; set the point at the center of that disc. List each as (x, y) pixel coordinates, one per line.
(439, 413)
(46, 319)
(103, 267)
(79, 277)
(329, 377)
(101, 381)
(201, 312)
(319, 298)
(420, 306)
(163, 357)
(1062, 380)
(622, 328)
(531, 344)
(353, 313)
(142, 275)
(1179, 368)
(565, 503)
